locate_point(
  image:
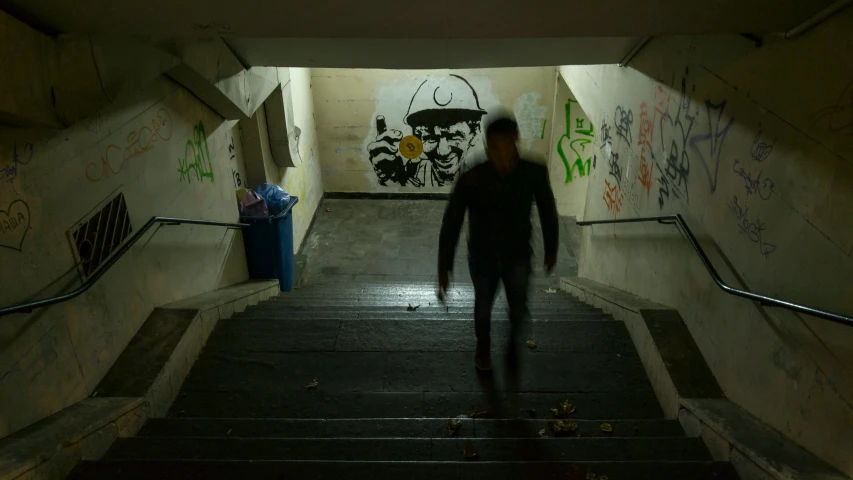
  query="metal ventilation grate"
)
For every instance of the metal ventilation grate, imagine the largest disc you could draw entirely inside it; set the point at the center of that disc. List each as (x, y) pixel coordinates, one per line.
(98, 235)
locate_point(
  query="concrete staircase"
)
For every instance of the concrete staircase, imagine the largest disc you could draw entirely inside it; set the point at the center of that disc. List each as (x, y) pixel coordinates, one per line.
(377, 381)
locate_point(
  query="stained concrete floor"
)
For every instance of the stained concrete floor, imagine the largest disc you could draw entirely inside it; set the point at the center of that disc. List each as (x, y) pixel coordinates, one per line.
(397, 240)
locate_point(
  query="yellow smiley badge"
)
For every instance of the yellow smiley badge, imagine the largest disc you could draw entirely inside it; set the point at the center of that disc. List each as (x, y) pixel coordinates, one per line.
(411, 147)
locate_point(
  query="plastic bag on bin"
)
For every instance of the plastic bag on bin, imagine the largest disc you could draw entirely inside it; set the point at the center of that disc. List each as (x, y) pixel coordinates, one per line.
(253, 205)
(277, 199)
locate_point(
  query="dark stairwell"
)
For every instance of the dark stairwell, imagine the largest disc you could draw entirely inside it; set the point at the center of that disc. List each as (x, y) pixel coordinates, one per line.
(361, 373)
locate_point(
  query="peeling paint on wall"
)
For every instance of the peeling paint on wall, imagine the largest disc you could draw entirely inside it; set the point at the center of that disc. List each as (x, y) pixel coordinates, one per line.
(530, 115)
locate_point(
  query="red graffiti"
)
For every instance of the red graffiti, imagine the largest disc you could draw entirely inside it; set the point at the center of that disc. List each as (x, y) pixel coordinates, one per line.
(613, 198)
(647, 133)
(137, 143)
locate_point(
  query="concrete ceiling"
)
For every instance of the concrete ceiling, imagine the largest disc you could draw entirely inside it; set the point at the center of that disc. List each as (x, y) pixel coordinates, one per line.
(435, 19)
(434, 34)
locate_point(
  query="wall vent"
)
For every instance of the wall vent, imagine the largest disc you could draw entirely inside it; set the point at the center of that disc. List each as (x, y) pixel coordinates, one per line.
(96, 237)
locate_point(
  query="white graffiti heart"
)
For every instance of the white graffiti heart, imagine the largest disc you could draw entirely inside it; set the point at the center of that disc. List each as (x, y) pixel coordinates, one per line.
(14, 224)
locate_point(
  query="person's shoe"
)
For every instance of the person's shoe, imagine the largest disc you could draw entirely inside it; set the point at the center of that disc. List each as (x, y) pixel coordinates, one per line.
(483, 360)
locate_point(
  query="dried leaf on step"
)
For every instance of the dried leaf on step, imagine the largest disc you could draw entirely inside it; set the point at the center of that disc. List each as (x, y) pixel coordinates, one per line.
(453, 427)
(531, 344)
(564, 409)
(470, 452)
(551, 290)
(603, 477)
(314, 384)
(542, 433)
(411, 308)
(591, 476)
(606, 427)
(562, 427)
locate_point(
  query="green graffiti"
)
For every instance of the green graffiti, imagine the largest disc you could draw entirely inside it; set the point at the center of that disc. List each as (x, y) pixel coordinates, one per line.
(197, 151)
(577, 145)
(542, 136)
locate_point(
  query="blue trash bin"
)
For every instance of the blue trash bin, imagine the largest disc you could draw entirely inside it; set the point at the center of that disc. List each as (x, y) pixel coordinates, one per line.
(269, 246)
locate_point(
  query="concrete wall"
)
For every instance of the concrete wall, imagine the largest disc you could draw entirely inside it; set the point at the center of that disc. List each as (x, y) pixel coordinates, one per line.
(754, 149)
(304, 181)
(573, 151)
(168, 154)
(360, 156)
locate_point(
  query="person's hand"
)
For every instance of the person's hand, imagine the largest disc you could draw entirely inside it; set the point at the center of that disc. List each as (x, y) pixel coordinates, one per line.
(443, 283)
(384, 152)
(550, 261)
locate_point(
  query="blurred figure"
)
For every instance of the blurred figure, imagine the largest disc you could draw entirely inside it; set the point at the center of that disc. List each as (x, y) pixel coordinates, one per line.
(498, 195)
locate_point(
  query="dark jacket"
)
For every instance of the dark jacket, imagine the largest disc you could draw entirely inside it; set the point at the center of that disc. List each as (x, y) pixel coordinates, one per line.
(499, 214)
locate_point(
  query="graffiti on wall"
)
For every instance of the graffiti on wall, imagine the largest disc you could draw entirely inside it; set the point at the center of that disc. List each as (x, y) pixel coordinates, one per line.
(584, 132)
(756, 184)
(21, 155)
(137, 142)
(232, 155)
(675, 129)
(14, 225)
(763, 187)
(690, 133)
(646, 137)
(760, 149)
(623, 119)
(196, 158)
(838, 117)
(613, 197)
(750, 226)
(708, 144)
(445, 116)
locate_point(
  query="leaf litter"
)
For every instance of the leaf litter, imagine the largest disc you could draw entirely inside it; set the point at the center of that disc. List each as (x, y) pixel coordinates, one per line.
(563, 410)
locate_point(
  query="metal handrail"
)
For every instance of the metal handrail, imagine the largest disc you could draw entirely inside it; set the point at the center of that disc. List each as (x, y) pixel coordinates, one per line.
(29, 306)
(678, 221)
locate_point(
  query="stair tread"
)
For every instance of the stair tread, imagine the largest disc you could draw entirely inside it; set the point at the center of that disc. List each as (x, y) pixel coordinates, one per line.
(413, 449)
(394, 427)
(482, 470)
(341, 372)
(314, 404)
(390, 335)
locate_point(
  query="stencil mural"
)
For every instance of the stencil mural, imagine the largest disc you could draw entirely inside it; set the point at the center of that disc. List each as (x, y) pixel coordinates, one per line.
(444, 116)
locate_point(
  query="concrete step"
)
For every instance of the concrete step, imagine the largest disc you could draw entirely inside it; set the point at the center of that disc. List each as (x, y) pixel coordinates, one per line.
(410, 449)
(287, 373)
(482, 470)
(404, 308)
(403, 314)
(315, 404)
(423, 301)
(412, 334)
(394, 428)
(536, 292)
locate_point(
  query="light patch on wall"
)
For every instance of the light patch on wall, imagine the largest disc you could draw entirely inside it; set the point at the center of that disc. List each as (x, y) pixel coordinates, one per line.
(530, 116)
(443, 110)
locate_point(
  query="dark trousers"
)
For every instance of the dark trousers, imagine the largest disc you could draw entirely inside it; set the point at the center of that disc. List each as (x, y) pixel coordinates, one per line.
(486, 274)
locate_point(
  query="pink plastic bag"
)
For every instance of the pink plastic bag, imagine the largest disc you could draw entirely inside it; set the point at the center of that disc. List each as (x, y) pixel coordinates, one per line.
(253, 205)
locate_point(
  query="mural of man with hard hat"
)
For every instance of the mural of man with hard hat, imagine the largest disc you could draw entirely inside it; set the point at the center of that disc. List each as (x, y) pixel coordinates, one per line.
(444, 115)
